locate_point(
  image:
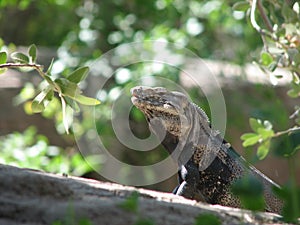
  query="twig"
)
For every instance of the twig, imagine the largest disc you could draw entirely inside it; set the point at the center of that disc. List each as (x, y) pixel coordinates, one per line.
(255, 24)
(19, 65)
(291, 130)
(264, 16)
(37, 67)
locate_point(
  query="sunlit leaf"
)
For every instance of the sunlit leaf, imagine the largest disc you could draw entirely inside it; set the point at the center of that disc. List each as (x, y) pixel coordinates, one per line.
(255, 124)
(32, 52)
(19, 57)
(3, 57)
(263, 150)
(247, 136)
(241, 6)
(41, 100)
(64, 114)
(86, 100)
(67, 87)
(266, 58)
(265, 133)
(50, 67)
(78, 75)
(72, 103)
(251, 141)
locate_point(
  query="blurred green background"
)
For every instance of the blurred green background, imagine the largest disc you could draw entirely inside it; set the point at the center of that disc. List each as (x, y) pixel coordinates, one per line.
(77, 33)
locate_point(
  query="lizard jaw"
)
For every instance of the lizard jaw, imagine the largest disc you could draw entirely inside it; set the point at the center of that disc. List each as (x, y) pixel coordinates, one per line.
(156, 100)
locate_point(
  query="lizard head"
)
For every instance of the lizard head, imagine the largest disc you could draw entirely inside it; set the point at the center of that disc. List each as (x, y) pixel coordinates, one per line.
(163, 109)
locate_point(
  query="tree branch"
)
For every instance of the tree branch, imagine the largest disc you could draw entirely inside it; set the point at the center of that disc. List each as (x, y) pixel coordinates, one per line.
(264, 16)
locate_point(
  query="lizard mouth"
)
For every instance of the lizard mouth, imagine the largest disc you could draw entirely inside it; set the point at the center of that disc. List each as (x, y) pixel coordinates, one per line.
(153, 101)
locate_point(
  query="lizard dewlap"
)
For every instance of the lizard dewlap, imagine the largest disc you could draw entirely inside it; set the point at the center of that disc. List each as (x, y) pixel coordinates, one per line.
(208, 165)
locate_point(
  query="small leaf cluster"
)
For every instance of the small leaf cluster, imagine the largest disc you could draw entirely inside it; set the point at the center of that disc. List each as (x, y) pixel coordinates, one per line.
(291, 196)
(262, 135)
(131, 204)
(207, 219)
(250, 192)
(67, 87)
(280, 31)
(32, 150)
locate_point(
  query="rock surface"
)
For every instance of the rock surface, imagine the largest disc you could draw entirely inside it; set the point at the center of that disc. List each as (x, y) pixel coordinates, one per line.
(31, 197)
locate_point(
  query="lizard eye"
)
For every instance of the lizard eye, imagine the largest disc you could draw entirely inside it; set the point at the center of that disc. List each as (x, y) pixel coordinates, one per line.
(168, 106)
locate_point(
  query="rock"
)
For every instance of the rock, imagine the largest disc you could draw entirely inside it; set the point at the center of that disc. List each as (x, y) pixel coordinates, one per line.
(31, 197)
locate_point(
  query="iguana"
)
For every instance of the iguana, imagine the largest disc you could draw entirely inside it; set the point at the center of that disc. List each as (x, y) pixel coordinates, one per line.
(208, 165)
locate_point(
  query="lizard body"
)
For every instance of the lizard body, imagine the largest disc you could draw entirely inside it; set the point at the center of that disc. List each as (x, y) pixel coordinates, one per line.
(208, 165)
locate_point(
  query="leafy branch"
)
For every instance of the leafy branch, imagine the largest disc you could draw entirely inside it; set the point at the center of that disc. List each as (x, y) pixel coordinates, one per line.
(262, 135)
(280, 32)
(66, 87)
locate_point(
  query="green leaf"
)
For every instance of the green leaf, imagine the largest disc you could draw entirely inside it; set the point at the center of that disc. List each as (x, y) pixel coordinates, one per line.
(255, 124)
(263, 150)
(86, 100)
(19, 57)
(241, 6)
(72, 104)
(32, 53)
(41, 100)
(265, 133)
(207, 219)
(296, 78)
(289, 14)
(64, 114)
(290, 194)
(50, 67)
(131, 203)
(3, 57)
(272, 67)
(78, 75)
(49, 80)
(72, 91)
(250, 192)
(251, 141)
(68, 88)
(248, 135)
(279, 76)
(266, 58)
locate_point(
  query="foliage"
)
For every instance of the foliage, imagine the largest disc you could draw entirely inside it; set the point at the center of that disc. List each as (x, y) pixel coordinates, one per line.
(66, 87)
(280, 32)
(291, 196)
(32, 150)
(250, 192)
(130, 204)
(281, 50)
(207, 219)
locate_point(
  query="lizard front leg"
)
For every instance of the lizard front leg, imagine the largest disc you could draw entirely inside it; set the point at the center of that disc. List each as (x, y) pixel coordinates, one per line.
(189, 179)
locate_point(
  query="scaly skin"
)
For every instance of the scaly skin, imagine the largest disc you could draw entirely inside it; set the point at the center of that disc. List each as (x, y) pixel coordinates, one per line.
(208, 165)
